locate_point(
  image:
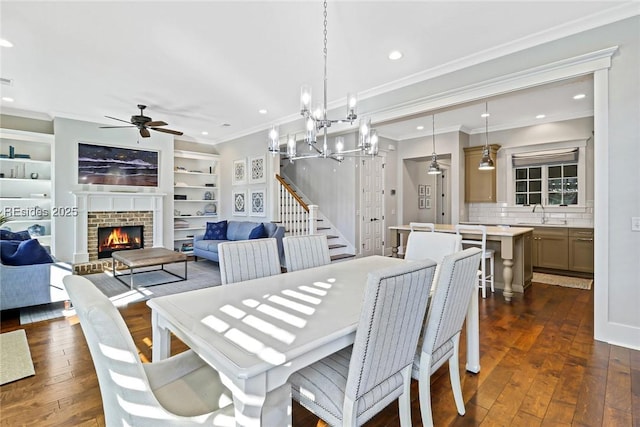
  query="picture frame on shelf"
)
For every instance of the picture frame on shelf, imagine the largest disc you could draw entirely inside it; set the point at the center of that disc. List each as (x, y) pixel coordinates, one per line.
(257, 170)
(422, 202)
(421, 190)
(239, 172)
(239, 202)
(258, 199)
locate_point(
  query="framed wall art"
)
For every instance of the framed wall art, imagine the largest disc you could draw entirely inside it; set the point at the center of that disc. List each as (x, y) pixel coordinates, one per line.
(422, 202)
(427, 190)
(258, 198)
(421, 190)
(257, 170)
(240, 203)
(427, 204)
(239, 172)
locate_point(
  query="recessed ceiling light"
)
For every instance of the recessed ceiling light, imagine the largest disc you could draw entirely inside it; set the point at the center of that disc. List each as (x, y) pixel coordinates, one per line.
(226, 125)
(540, 116)
(419, 127)
(204, 132)
(7, 99)
(262, 111)
(394, 55)
(5, 43)
(483, 115)
(580, 96)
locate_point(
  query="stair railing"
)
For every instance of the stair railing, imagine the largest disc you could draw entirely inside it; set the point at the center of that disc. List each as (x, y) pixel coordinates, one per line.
(297, 217)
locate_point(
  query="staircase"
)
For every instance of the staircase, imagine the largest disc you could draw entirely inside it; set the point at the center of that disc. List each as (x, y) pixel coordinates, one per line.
(295, 214)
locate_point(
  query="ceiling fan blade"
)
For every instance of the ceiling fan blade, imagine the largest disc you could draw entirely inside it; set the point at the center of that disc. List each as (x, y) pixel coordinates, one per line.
(158, 123)
(173, 132)
(115, 127)
(115, 118)
(144, 132)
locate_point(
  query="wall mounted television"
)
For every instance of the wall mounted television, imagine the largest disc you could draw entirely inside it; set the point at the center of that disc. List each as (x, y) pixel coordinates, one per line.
(106, 165)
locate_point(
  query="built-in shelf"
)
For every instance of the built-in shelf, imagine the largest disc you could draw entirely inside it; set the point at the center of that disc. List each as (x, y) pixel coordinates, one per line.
(16, 200)
(195, 177)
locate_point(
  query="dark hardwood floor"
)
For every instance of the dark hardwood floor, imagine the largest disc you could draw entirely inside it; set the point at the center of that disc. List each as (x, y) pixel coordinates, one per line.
(540, 367)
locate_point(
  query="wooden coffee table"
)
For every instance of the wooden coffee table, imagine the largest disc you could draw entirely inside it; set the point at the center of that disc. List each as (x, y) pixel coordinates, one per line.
(138, 258)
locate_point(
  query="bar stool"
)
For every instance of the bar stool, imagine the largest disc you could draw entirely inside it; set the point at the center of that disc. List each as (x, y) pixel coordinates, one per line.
(487, 254)
(422, 226)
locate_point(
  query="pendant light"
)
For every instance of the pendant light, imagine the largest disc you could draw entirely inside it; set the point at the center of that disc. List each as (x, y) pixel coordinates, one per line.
(434, 167)
(486, 163)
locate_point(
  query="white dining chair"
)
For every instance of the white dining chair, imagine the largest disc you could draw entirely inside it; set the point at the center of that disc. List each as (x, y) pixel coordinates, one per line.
(488, 254)
(248, 259)
(422, 226)
(352, 385)
(182, 390)
(435, 246)
(306, 251)
(441, 336)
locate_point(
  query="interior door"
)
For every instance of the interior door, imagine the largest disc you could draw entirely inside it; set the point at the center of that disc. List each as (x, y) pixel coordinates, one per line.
(442, 198)
(372, 206)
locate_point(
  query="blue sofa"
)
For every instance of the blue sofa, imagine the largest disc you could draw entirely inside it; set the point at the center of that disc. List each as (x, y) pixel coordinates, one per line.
(237, 230)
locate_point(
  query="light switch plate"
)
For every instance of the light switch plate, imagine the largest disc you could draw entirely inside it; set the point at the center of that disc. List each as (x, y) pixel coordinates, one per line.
(635, 223)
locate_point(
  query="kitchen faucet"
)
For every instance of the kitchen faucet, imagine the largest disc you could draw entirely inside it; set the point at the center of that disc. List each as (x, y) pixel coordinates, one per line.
(542, 221)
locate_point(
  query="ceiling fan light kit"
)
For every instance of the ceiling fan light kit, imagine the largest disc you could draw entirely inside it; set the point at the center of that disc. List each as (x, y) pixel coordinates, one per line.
(316, 122)
(143, 123)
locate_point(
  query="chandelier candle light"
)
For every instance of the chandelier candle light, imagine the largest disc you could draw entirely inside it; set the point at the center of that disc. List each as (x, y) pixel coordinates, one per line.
(316, 122)
(486, 163)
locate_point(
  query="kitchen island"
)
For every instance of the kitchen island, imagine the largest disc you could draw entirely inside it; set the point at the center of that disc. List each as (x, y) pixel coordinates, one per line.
(512, 246)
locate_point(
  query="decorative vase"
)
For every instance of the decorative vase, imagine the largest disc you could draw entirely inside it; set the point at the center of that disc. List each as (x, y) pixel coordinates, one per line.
(36, 230)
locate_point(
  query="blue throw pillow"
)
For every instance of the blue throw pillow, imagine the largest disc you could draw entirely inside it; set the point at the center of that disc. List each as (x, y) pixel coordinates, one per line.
(10, 235)
(8, 248)
(29, 252)
(216, 231)
(257, 232)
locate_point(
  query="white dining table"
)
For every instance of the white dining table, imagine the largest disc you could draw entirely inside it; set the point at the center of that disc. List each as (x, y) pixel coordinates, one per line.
(258, 332)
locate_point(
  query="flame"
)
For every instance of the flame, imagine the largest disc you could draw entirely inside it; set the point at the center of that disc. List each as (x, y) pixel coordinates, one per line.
(119, 237)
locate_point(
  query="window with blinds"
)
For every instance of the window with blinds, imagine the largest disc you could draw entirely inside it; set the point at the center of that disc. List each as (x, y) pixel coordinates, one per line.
(549, 177)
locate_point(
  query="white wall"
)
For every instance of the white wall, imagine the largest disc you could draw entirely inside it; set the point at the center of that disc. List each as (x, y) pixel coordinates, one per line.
(68, 133)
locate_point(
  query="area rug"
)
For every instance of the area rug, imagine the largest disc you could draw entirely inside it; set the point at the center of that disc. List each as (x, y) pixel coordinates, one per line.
(201, 274)
(565, 281)
(15, 357)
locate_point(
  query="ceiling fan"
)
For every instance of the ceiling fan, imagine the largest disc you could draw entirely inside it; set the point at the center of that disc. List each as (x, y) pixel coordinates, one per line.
(143, 123)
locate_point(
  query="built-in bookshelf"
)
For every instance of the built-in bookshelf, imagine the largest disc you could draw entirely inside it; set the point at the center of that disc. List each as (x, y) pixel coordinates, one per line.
(26, 184)
(196, 195)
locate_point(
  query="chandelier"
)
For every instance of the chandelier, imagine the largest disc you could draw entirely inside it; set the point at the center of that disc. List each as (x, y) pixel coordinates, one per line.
(317, 123)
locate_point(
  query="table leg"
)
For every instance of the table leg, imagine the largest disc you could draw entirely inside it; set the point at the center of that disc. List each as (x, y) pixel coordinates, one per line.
(255, 408)
(473, 335)
(161, 339)
(394, 247)
(506, 249)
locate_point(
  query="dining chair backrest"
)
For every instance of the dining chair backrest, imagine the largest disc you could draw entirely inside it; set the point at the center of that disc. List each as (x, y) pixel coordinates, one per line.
(127, 386)
(392, 316)
(433, 246)
(422, 226)
(450, 301)
(248, 259)
(306, 251)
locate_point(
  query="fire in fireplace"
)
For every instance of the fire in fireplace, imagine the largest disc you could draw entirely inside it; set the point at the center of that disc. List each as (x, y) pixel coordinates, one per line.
(111, 239)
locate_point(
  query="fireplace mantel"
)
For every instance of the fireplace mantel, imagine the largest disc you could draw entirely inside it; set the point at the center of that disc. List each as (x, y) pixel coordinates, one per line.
(116, 201)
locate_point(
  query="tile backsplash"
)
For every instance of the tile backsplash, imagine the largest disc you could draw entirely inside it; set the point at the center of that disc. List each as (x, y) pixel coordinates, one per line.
(500, 213)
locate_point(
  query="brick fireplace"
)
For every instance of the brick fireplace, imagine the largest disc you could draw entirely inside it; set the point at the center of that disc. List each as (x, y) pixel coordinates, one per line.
(113, 209)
